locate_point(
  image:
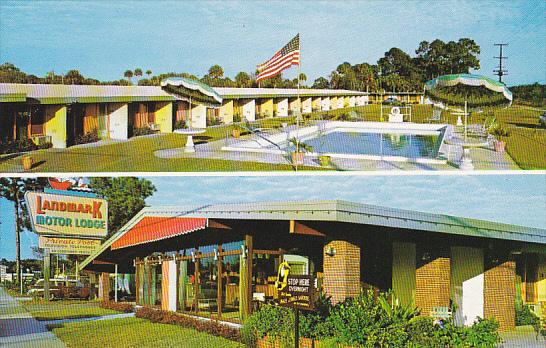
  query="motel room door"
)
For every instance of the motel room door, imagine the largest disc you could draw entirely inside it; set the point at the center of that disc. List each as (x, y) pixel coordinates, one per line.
(22, 119)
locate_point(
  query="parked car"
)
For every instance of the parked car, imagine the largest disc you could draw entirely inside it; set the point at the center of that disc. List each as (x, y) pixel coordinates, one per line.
(61, 289)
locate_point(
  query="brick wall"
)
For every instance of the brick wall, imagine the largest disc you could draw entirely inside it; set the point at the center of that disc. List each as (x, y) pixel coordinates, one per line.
(342, 271)
(500, 294)
(432, 280)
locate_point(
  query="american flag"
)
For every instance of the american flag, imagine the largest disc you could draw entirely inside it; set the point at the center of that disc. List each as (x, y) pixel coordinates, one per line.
(286, 57)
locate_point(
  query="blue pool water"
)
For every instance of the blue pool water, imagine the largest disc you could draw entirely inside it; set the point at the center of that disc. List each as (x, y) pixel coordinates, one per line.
(356, 143)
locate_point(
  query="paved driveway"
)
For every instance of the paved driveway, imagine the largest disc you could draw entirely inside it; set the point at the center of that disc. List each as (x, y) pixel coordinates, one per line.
(19, 329)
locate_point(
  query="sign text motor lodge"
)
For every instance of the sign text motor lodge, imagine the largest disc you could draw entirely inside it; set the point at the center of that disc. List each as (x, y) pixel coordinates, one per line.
(55, 214)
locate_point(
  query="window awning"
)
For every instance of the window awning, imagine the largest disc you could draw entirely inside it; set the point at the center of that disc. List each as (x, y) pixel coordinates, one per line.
(151, 229)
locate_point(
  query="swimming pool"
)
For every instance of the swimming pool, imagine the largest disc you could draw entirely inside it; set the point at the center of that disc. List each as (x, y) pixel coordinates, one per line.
(356, 140)
(373, 142)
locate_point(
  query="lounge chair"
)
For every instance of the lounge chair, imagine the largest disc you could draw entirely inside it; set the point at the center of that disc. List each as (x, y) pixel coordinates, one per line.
(436, 116)
(482, 130)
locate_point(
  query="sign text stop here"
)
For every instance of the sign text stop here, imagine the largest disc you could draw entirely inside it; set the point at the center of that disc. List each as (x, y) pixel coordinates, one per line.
(298, 293)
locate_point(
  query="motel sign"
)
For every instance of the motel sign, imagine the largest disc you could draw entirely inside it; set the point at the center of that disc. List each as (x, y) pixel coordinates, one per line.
(65, 215)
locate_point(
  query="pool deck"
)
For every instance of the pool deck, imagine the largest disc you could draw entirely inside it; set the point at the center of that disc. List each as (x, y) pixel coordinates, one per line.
(483, 158)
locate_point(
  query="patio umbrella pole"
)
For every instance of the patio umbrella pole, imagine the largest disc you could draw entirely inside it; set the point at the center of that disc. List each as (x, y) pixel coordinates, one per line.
(465, 118)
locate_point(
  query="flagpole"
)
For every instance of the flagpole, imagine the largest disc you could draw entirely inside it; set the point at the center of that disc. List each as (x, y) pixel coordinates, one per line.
(299, 106)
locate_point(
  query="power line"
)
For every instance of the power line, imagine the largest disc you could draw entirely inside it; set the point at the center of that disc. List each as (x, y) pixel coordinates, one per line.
(500, 72)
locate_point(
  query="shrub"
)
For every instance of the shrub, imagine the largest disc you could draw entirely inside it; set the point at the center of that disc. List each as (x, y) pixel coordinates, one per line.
(22, 145)
(272, 321)
(87, 138)
(211, 327)
(367, 320)
(236, 118)
(142, 131)
(524, 316)
(124, 307)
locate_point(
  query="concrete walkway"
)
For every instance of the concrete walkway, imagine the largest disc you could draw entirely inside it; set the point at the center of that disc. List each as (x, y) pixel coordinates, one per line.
(483, 158)
(522, 336)
(19, 329)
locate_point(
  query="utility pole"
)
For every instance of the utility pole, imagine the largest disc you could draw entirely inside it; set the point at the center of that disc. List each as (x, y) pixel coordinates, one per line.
(500, 72)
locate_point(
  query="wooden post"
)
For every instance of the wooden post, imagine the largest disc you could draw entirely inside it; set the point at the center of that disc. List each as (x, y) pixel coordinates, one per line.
(249, 252)
(219, 279)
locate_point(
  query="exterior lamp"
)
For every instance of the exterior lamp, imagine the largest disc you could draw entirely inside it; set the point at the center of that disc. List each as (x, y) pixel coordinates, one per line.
(243, 251)
(192, 256)
(215, 254)
(331, 251)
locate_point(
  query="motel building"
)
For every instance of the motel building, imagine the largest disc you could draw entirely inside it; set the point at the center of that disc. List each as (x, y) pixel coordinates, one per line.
(60, 114)
(221, 260)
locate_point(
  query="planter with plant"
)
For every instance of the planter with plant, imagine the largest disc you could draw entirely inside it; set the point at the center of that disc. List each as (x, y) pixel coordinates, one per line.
(300, 148)
(236, 132)
(27, 161)
(324, 160)
(501, 134)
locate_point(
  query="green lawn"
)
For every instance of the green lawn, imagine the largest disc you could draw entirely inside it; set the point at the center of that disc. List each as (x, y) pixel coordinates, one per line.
(137, 155)
(52, 310)
(135, 332)
(526, 145)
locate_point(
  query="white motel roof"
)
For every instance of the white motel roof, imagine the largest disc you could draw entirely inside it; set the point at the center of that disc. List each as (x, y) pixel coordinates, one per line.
(234, 93)
(67, 94)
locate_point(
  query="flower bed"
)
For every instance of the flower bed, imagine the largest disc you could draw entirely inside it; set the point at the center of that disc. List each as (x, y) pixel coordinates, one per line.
(166, 317)
(365, 321)
(15, 146)
(124, 307)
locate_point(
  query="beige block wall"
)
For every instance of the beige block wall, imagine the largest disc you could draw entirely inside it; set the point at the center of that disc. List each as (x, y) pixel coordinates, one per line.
(164, 116)
(226, 111)
(56, 124)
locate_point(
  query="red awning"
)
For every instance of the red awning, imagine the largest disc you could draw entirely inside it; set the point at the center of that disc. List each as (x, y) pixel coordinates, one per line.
(151, 229)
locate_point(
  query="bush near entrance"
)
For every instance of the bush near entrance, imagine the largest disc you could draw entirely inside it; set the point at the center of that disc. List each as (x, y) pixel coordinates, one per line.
(166, 317)
(23, 145)
(366, 321)
(124, 307)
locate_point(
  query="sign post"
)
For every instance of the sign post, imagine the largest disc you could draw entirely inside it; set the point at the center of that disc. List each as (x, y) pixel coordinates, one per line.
(47, 265)
(297, 292)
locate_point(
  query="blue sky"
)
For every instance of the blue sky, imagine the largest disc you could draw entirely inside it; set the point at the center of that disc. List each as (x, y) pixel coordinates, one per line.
(103, 39)
(516, 199)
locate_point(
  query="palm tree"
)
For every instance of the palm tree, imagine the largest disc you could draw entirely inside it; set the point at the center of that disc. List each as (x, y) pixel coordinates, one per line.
(303, 78)
(138, 72)
(148, 72)
(216, 71)
(128, 74)
(13, 189)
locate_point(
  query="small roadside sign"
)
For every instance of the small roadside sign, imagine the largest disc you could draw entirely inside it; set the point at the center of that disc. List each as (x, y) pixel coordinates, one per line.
(298, 293)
